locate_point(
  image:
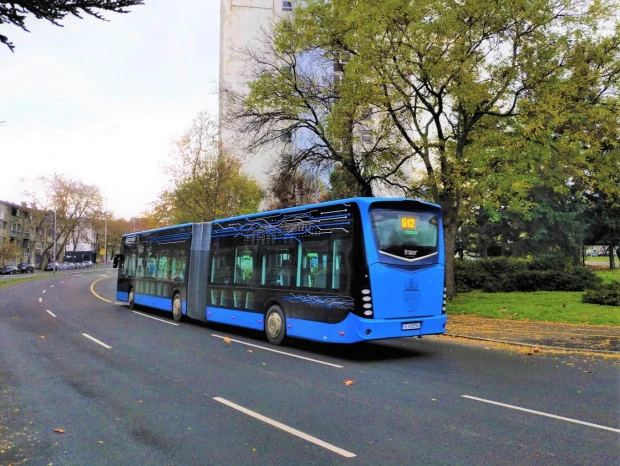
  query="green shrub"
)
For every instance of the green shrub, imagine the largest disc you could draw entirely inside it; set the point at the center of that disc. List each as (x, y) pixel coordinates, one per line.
(503, 274)
(496, 266)
(497, 284)
(469, 275)
(550, 262)
(588, 277)
(607, 295)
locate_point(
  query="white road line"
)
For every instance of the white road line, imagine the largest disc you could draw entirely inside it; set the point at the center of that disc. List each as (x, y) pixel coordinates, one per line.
(62, 281)
(40, 300)
(284, 427)
(50, 313)
(51, 286)
(280, 352)
(155, 318)
(43, 292)
(540, 413)
(96, 341)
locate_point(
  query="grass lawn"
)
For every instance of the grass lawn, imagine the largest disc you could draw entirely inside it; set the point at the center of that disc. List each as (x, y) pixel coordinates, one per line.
(22, 278)
(608, 275)
(540, 306)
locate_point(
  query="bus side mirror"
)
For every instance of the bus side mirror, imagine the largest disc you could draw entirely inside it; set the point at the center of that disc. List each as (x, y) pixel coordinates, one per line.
(116, 260)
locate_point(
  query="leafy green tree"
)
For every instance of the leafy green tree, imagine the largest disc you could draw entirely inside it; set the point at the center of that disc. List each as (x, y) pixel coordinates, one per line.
(206, 182)
(10, 251)
(553, 224)
(16, 12)
(455, 87)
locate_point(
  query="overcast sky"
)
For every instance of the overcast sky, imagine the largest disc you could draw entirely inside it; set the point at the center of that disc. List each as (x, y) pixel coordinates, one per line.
(100, 102)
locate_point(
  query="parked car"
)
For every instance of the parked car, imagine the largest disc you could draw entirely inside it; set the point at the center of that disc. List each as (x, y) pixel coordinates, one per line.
(9, 270)
(26, 268)
(87, 264)
(50, 266)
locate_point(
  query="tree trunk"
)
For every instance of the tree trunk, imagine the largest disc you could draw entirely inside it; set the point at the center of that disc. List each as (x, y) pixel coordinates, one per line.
(450, 230)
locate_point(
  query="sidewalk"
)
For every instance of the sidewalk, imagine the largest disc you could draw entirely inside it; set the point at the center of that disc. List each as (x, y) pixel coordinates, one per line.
(596, 338)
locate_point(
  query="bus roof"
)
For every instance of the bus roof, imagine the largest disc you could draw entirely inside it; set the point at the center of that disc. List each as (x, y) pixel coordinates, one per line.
(157, 230)
(366, 201)
(355, 200)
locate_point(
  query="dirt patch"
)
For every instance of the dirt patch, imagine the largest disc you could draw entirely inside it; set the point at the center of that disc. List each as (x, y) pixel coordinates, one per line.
(569, 336)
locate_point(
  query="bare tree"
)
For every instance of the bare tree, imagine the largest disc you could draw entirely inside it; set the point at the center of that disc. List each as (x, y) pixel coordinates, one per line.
(309, 94)
(206, 182)
(76, 205)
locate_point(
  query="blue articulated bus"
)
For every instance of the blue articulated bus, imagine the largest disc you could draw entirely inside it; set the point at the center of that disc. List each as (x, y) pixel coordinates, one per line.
(340, 271)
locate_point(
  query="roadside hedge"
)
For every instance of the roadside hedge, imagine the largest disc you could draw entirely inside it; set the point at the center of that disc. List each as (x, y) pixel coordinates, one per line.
(607, 295)
(505, 274)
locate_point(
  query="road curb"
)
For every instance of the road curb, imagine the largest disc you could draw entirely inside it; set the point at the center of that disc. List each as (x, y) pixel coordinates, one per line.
(531, 345)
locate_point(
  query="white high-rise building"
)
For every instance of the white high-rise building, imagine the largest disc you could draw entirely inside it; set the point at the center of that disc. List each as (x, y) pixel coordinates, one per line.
(242, 23)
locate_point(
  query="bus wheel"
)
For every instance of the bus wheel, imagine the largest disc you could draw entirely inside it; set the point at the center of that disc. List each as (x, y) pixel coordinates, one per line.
(275, 325)
(131, 299)
(177, 308)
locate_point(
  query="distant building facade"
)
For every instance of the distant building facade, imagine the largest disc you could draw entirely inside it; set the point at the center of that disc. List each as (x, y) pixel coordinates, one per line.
(18, 228)
(242, 23)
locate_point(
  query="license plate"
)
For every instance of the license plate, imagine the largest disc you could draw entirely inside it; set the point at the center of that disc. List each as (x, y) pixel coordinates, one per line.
(412, 325)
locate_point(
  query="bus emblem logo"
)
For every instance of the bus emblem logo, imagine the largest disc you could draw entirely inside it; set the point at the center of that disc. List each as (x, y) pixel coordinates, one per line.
(411, 296)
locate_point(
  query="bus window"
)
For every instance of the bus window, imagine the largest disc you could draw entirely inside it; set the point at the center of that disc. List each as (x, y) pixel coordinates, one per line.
(314, 260)
(244, 266)
(221, 269)
(178, 269)
(163, 269)
(278, 268)
(405, 235)
(340, 267)
(131, 263)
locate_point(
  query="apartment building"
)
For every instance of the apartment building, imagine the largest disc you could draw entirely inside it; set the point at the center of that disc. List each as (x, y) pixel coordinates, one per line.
(242, 23)
(18, 228)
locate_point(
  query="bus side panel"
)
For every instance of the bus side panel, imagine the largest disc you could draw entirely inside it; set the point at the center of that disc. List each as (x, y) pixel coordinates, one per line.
(355, 329)
(156, 302)
(235, 317)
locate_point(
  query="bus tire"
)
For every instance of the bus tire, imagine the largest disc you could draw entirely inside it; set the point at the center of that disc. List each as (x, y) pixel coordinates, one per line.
(275, 325)
(131, 299)
(177, 308)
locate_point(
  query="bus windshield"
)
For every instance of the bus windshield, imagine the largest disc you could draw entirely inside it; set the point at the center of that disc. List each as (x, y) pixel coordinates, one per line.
(405, 235)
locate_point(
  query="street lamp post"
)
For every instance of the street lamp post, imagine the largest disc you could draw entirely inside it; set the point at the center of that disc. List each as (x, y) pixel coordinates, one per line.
(105, 233)
(54, 265)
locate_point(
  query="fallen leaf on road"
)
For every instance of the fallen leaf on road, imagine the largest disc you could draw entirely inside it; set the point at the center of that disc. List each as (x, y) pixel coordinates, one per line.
(58, 430)
(42, 337)
(227, 340)
(349, 382)
(250, 351)
(588, 372)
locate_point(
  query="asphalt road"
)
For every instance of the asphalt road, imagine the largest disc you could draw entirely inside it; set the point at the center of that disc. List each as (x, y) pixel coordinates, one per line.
(86, 381)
